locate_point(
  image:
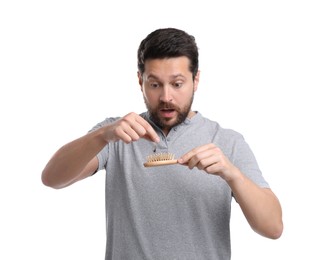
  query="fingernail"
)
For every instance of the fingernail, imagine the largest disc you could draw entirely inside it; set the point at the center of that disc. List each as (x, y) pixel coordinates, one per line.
(180, 160)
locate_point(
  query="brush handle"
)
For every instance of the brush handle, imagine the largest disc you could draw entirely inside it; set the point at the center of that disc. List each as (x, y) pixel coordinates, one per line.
(160, 163)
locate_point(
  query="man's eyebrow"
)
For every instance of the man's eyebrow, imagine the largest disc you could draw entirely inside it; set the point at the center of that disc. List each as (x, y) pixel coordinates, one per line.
(179, 75)
(152, 76)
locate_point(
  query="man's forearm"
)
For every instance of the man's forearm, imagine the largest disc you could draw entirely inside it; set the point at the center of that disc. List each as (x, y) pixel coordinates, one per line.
(70, 160)
(260, 207)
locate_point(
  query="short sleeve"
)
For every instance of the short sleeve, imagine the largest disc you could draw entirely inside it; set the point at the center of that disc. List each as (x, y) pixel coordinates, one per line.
(104, 153)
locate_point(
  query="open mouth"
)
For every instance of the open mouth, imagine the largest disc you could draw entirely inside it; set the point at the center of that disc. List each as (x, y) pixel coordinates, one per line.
(167, 112)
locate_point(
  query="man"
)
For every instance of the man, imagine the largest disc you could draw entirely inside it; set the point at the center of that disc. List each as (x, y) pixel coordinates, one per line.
(179, 211)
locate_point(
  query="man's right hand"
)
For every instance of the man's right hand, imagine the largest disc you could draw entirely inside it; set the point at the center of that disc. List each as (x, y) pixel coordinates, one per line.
(130, 128)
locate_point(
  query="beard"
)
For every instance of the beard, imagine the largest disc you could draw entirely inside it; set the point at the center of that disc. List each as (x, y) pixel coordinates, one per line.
(165, 123)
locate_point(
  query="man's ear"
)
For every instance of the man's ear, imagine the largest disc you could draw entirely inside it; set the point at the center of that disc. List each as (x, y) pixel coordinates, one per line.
(140, 81)
(196, 80)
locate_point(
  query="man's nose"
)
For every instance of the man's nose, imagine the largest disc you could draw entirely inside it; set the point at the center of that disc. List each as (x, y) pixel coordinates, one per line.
(166, 94)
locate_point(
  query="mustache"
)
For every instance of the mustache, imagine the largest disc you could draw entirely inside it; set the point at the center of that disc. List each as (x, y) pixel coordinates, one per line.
(166, 105)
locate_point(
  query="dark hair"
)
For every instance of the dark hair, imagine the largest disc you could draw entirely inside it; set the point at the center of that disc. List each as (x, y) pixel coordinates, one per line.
(168, 43)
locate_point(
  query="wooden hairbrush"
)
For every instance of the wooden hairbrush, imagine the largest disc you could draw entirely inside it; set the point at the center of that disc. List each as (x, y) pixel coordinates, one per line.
(160, 159)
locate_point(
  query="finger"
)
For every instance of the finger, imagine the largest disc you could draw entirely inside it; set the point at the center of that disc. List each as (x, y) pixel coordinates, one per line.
(126, 133)
(188, 156)
(140, 127)
(149, 132)
(207, 162)
(202, 159)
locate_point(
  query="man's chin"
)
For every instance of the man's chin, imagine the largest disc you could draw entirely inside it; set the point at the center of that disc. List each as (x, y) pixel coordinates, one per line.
(169, 122)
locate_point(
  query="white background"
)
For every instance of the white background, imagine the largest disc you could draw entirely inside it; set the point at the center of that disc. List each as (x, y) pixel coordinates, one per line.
(66, 65)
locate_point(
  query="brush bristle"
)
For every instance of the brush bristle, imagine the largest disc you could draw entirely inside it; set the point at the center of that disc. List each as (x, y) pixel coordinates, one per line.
(160, 157)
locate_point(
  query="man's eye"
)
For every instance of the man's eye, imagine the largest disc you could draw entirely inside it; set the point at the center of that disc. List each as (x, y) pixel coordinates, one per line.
(154, 85)
(178, 84)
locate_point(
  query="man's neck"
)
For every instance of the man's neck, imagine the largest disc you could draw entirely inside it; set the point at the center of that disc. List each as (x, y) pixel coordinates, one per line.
(191, 114)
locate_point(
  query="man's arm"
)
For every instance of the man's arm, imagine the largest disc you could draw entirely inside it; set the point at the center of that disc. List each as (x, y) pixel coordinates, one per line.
(77, 159)
(259, 205)
(74, 161)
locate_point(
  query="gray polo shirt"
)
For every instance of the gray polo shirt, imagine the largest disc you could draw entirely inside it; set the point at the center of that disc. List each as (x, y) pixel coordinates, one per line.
(171, 212)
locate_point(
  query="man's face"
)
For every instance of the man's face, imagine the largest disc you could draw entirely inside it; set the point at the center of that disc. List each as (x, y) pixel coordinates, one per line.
(168, 90)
